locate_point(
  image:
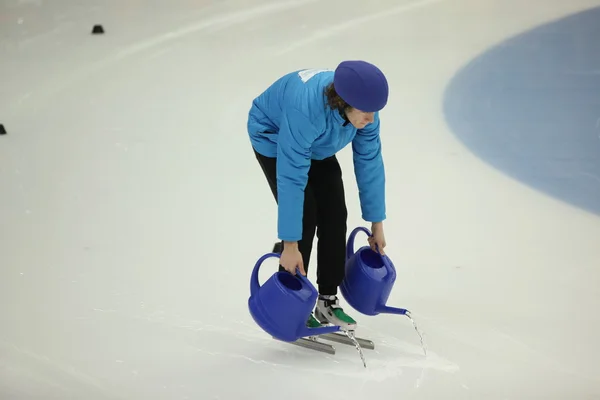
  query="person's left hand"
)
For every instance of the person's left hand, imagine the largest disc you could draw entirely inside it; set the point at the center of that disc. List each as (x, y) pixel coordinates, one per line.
(377, 239)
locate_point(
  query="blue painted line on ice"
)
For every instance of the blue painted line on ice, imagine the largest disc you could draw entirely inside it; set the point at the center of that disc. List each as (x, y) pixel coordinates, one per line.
(530, 107)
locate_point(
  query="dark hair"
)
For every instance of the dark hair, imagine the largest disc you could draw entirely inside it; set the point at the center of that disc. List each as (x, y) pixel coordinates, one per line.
(334, 101)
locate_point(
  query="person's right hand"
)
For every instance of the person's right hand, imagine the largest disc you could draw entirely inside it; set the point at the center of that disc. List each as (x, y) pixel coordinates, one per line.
(291, 258)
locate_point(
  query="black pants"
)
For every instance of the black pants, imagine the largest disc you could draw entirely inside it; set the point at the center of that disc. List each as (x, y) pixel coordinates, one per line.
(324, 213)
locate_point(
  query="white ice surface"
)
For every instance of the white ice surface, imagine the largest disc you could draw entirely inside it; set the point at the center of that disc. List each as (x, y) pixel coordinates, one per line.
(133, 210)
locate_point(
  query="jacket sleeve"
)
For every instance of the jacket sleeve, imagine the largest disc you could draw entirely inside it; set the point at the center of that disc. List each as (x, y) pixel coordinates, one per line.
(369, 171)
(296, 135)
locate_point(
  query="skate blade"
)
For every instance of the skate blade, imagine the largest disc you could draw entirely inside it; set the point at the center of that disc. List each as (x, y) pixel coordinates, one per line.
(343, 339)
(313, 344)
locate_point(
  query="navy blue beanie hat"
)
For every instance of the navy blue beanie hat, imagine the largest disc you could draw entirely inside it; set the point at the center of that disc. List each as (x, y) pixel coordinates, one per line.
(362, 85)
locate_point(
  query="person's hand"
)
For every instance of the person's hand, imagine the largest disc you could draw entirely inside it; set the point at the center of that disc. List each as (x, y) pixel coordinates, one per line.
(377, 238)
(291, 258)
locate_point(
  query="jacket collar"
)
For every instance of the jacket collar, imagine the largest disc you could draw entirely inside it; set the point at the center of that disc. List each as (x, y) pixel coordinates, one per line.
(342, 120)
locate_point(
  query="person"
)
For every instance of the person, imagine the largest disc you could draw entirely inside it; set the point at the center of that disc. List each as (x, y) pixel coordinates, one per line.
(296, 127)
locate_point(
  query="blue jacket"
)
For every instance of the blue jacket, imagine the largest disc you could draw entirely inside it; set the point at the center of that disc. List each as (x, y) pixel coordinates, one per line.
(291, 120)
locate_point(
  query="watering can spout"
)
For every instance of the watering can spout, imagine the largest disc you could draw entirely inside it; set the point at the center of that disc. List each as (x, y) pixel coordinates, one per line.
(306, 331)
(383, 309)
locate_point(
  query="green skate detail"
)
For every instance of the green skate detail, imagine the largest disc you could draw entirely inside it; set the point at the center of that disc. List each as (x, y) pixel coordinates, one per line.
(313, 322)
(339, 313)
(328, 311)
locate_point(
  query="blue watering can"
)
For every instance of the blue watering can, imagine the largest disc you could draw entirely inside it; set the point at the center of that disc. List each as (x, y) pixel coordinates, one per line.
(369, 279)
(282, 305)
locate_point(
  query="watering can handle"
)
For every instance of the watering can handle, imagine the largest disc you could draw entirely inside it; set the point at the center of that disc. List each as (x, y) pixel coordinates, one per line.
(254, 284)
(299, 275)
(350, 245)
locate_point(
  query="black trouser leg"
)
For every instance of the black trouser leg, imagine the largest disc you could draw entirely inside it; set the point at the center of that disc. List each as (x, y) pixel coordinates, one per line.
(309, 220)
(328, 188)
(324, 211)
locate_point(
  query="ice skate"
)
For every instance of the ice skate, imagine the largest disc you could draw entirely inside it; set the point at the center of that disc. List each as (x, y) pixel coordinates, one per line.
(312, 322)
(328, 311)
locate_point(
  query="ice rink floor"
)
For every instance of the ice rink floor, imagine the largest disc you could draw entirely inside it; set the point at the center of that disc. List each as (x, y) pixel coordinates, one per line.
(133, 210)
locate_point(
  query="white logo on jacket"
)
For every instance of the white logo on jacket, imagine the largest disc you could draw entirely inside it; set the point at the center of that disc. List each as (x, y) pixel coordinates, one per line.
(306, 74)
